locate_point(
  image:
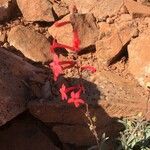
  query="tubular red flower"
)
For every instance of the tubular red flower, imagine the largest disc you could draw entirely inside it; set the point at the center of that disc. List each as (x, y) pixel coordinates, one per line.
(59, 24)
(53, 46)
(75, 98)
(69, 64)
(63, 92)
(64, 46)
(56, 67)
(89, 68)
(76, 41)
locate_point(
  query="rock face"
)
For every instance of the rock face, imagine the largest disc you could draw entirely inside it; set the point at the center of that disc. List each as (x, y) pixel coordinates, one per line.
(23, 134)
(117, 98)
(63, 34)
(84, 24)
(60, 10)
(71, 123)
(106, 8)
(137, 9)
(139, 59)
(7, 8)
(111, 41)
(31, 44)
(14, 94)
(36, 10)
(2, 37)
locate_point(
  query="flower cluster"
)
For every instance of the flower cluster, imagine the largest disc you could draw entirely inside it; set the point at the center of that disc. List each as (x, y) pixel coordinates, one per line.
(70, 94)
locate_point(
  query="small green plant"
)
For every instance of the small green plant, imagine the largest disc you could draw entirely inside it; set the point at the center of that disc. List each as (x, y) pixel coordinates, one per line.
(136, 135)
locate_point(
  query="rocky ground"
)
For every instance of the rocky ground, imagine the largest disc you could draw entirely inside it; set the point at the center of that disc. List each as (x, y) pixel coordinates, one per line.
(114, 36)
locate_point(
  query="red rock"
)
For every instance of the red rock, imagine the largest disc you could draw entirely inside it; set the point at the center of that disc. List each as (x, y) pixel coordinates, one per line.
(36, 10)
(12, 92)
(2, 36)
(48, 112)
(14, 72)
(60, 10)
(23, 134)
(81, 135)
(106, 8)
(137, 9)
(86, 28)
(62, 34)
(113, 96)
(112, 40)
(139, 59)
(31, 44)
(7, 9)
(98, 8)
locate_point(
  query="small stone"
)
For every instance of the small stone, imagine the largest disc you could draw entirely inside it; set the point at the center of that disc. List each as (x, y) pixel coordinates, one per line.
(147, 20)
(110, 20)
(123, 10)
(135, 33)
(6, 45)
(125, 17)
(2, 36)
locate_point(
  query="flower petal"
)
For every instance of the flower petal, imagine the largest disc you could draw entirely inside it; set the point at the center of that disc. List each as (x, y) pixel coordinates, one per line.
(59, 24)
(89, 68)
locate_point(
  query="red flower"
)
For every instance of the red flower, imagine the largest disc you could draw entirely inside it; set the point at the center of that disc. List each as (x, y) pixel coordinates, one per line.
(76, 41)
(56, 67)
(63, 92)
(53, 46)
(89, 68)
(75, 98)
(75, 47)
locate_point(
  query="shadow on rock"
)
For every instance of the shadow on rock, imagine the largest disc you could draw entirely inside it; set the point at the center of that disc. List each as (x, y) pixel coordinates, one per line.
(70, 123)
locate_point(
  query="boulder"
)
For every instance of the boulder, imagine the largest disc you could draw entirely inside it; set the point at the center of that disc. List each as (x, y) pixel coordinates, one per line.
(84, 24)
(115, 97)
(112, 40)
(14, 75)
(36, 10)
(8, 8)
(30, 43)
(63, 34)
(23, 134)
(139, 59)
(60, 10)
(137, 9)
